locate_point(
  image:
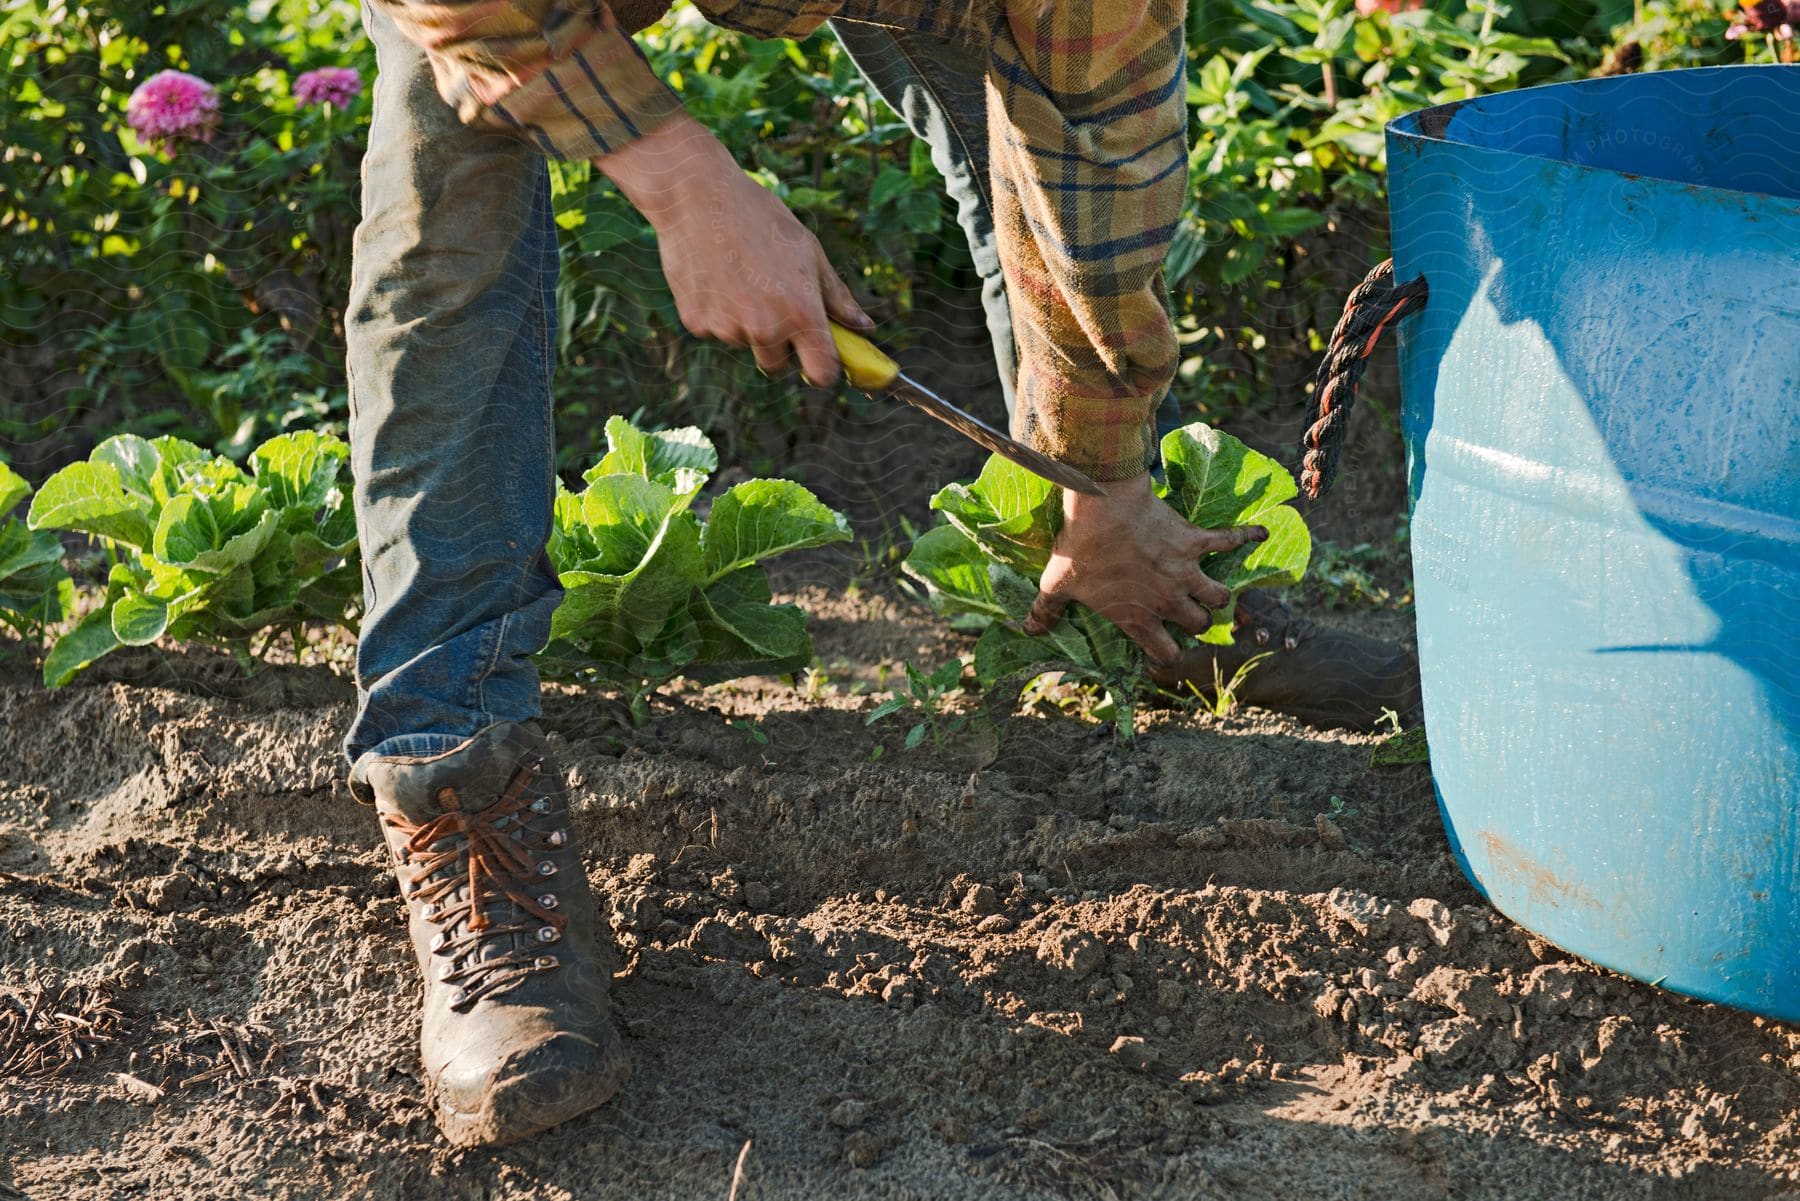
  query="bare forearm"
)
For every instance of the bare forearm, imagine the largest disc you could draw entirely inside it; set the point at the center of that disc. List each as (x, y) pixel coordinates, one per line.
(671, 168)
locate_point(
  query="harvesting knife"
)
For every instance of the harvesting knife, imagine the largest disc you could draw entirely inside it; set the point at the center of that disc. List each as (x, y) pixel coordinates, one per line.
(871, 370)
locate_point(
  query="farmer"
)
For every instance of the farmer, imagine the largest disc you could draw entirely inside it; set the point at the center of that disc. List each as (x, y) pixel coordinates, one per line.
(1062, 137)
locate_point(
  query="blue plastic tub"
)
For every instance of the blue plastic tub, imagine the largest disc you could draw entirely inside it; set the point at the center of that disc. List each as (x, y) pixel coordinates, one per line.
(1602, 415)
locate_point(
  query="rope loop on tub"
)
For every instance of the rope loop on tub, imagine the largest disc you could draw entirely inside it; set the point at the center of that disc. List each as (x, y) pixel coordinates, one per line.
(1376, 304)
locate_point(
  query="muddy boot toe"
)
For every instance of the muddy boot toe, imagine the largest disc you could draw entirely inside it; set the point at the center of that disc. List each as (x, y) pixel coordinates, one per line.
(481, 1101)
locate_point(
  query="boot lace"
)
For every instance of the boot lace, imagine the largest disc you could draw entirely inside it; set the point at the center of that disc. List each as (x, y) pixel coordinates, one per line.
(465, 863)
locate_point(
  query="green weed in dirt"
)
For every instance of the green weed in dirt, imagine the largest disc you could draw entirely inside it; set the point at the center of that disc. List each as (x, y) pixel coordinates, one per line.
(925, 694)
(651, 591)
(1402, 748)
(1224, 701)
(202, 550)
(984, 563)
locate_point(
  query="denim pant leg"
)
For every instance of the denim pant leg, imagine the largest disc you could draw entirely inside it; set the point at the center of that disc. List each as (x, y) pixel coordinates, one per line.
(938, 88)
(449, 333)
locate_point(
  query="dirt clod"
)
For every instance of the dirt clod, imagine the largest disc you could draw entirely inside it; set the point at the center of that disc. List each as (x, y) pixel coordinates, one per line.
(1368, 916)
(980, 901)
(1071, 952)
(861, 1149)
(849, 1114)
(1471, 995)
(167, 893)
(1441, 925)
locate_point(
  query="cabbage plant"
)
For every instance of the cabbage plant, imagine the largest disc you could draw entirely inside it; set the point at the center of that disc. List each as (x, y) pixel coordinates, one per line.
(981, 567)
(203, 550)
(35, 589)
(652, 591)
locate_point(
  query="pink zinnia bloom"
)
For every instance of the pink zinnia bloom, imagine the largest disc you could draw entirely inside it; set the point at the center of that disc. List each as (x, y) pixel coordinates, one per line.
(1764, 16)
(171, 107)
(1369, 8)
(336, 86)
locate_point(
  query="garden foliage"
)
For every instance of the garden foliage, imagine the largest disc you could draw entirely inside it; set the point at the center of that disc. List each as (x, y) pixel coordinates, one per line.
(197, 287)
(984, 563)
(202, 550)
(181, 276)
(652, 591)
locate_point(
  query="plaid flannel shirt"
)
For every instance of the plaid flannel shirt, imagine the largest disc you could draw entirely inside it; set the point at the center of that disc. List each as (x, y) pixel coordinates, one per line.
(1087, 144)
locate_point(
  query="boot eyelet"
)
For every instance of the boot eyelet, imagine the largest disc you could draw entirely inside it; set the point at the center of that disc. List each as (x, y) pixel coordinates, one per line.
(429, 910)
(547, 961)
(438, 940)
(1262, 637)
(548, 934)
(548, 900)
(445, 972)
(546, 868)
(459, 998)
(541, 805)
(558, 837)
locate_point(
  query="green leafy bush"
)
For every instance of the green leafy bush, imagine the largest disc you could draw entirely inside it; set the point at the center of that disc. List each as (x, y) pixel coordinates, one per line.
(35, 589)
(1286, 170)
(1664, 34)
(201, 292)
(985, 562)
(651, 591)
(203, 551)
(198, 292)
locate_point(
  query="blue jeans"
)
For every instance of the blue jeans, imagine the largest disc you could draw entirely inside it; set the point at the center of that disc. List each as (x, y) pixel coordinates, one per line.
(450, 336)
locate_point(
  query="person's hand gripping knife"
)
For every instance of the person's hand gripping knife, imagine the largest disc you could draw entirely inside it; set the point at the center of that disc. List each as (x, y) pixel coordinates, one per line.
(744, 270)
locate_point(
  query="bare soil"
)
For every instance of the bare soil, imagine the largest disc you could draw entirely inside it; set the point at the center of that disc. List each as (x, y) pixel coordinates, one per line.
(1229, 959)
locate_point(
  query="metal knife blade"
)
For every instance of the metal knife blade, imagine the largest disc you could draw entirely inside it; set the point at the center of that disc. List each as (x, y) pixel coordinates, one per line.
(981, 433)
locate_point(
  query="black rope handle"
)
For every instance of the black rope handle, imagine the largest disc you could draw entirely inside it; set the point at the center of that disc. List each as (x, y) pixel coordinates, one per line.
(1376, 304)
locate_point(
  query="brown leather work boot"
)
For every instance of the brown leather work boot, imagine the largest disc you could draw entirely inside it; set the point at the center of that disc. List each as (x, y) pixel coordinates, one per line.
(1322, 676)
(515, 1036)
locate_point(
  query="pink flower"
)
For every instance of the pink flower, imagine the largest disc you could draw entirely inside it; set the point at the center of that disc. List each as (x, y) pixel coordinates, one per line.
(1764, 16)
(336, 86)
(1369, 8)
(172, 107)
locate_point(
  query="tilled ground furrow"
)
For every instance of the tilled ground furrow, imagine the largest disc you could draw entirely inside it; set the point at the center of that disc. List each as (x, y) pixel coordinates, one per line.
(1228, 959)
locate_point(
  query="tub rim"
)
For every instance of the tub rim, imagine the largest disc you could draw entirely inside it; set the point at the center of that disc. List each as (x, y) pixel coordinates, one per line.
(1432, 124)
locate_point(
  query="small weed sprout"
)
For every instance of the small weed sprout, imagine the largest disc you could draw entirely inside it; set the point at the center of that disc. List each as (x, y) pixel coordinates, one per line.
(1224, 700)
(816, 685)
(926, 694)
(750, 731)
(1401, 748)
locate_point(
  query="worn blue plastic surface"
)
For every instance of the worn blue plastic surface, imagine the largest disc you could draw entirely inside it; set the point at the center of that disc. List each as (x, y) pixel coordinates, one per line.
(1602, 414)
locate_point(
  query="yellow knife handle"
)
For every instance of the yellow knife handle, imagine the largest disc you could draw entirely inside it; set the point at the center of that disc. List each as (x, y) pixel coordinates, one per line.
(864, 364)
